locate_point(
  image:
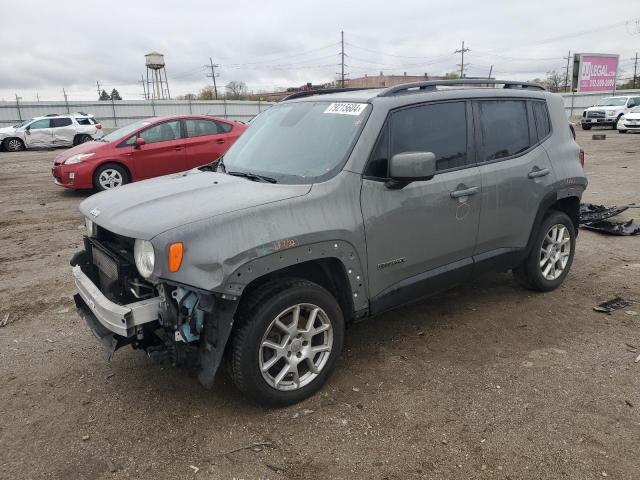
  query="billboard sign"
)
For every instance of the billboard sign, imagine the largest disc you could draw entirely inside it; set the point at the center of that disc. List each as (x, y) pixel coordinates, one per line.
(596, 72)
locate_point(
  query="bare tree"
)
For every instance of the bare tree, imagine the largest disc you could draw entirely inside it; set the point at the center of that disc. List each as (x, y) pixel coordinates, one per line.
(207, 93)
(555, 81)
(237, 90)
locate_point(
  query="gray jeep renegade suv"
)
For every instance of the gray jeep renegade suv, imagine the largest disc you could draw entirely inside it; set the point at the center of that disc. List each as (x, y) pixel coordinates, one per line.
(329, 209)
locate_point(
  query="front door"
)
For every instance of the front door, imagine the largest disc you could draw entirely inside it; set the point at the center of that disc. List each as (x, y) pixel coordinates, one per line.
(422, 236)
(162, 153)
(38, 134)
(515, 168)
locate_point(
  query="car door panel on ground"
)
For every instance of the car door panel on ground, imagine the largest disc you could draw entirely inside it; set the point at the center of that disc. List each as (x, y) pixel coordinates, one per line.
(162, 153)
(205, 140)
(38, 134)
(515, 170)
(427, 225)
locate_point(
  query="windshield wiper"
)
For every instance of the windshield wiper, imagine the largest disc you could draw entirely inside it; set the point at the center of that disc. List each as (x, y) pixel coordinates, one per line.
(253, 176)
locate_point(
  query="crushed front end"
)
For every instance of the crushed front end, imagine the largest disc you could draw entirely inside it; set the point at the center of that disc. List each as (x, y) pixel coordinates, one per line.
(175, 323)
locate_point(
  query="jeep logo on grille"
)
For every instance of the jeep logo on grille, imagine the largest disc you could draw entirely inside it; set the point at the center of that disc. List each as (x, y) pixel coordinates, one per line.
(95, 212)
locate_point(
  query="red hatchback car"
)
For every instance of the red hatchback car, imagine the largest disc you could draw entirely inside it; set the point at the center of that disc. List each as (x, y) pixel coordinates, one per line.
(146, 149)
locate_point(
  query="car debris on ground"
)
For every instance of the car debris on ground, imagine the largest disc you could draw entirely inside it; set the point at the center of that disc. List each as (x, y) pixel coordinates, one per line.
(594, 217)
(612, 305)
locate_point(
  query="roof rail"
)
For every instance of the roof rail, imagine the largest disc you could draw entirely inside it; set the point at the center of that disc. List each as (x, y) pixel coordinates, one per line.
(52, 115)
(324, 91)
(432, 84)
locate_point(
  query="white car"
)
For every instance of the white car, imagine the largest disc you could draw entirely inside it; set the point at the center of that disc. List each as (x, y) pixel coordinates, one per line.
(51, 131)
(630, 121)
(608, 111)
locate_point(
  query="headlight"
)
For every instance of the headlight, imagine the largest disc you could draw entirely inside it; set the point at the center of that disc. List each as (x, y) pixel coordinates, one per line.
(622, 119)
(81, 157)
(144, 256)
(92, 228)
(611, 113)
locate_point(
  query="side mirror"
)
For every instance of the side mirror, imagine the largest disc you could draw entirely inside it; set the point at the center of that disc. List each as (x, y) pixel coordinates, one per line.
(408, 167)
(27, 130)
(139, 142)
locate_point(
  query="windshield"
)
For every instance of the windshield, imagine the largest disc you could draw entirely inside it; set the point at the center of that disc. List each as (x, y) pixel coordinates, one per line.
(302, 142)
(23, 123)
(611, 102)
(124, 131)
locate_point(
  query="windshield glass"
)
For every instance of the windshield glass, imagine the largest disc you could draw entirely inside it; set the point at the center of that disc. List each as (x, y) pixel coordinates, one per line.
(303, 142)
(124, 131)
(23, 123)
(611, 102)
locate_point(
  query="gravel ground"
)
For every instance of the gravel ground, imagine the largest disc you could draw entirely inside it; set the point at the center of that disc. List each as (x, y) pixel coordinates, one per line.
(485, 381)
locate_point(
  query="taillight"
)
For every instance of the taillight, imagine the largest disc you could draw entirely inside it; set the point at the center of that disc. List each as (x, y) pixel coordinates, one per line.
(581, 158)
(98, 125)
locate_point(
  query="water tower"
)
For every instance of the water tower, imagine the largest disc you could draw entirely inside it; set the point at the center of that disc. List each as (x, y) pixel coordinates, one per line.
(157, 86)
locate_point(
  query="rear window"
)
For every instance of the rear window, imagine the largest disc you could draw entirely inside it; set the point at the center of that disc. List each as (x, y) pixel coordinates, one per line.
(60, 122)
(504, 128)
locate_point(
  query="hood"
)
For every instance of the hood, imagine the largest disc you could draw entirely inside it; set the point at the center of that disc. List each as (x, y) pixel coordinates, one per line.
(607, 108)
(148, 208)
(87, 147)
(632, 116)
(6, 131)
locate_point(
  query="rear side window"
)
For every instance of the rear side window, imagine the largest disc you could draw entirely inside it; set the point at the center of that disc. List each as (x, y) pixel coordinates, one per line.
(60, 122)
(85, 121)
(541, 116)
(439, 128)
(224, 127)
(161, 133)
(504, 128)
(199, 128)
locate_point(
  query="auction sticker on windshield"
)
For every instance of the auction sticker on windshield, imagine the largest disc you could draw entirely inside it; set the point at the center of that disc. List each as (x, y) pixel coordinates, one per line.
(346, 108)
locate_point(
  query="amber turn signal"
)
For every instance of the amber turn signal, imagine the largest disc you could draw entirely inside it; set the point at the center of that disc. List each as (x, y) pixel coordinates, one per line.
(175, 256)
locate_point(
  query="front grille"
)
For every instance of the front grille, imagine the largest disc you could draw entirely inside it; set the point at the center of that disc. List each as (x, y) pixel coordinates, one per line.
(105, 264)
(595, 114)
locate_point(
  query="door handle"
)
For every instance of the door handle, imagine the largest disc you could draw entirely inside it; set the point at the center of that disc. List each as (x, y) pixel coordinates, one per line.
(220, 141)
(538, 172)
(464, 193)
(177, 149)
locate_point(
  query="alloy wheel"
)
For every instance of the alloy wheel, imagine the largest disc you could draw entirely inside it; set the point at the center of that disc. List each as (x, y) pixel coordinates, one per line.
(555, 251)
(14, 145)
(296, 347)
(110, 178)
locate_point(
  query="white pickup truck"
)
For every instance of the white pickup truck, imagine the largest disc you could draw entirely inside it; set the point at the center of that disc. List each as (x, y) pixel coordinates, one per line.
(608, 111)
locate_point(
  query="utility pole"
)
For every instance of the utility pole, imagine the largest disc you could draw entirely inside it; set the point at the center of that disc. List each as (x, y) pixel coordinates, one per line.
(462, 51)
(99, 90)
(635, 70)
(18, 107)
(213, 76)
(144, 89)
(566, 75)
(490, 70)
(342, 57)
(66, 100)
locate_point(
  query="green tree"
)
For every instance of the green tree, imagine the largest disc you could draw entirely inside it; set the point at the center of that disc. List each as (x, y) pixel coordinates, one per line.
(115, 95)
(104, 96)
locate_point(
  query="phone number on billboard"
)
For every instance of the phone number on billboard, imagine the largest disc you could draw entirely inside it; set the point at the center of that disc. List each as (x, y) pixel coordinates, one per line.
(601, 82)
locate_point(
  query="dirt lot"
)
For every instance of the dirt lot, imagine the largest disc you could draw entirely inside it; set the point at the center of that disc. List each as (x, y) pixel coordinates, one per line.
(487, 381)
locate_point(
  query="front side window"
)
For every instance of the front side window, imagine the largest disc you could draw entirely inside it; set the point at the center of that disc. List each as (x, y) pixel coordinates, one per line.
(439, 128)
(60, 122)
(162, 132)
(38, 124)
(299, 142)
(504, 128)
(199, 127)
(541, 115)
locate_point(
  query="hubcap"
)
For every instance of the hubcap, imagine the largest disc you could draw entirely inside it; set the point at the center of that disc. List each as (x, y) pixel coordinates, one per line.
(555, 251)
(14, 145)
(296, 347)
(110, 178)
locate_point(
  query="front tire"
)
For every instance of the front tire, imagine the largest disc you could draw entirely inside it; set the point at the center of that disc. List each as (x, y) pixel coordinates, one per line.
(622, 131)
(13, 145)
(551, 255)
(110, 176)
(289, 338)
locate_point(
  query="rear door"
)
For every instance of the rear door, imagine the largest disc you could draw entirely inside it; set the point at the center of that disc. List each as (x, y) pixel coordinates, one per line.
(38, 134)
(206, 140)
(163, 151)
(423, 234)
(63, 131)
(515, 168)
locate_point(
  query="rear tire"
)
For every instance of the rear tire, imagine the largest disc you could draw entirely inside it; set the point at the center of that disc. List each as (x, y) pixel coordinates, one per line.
(82, 138)
(586, 127)
(110, 175)
(551, 255)
(13, 145)
(276, 358)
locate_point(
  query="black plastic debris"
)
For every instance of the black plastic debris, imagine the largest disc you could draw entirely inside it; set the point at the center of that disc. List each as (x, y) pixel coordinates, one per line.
(612, 305)
(594, 217)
